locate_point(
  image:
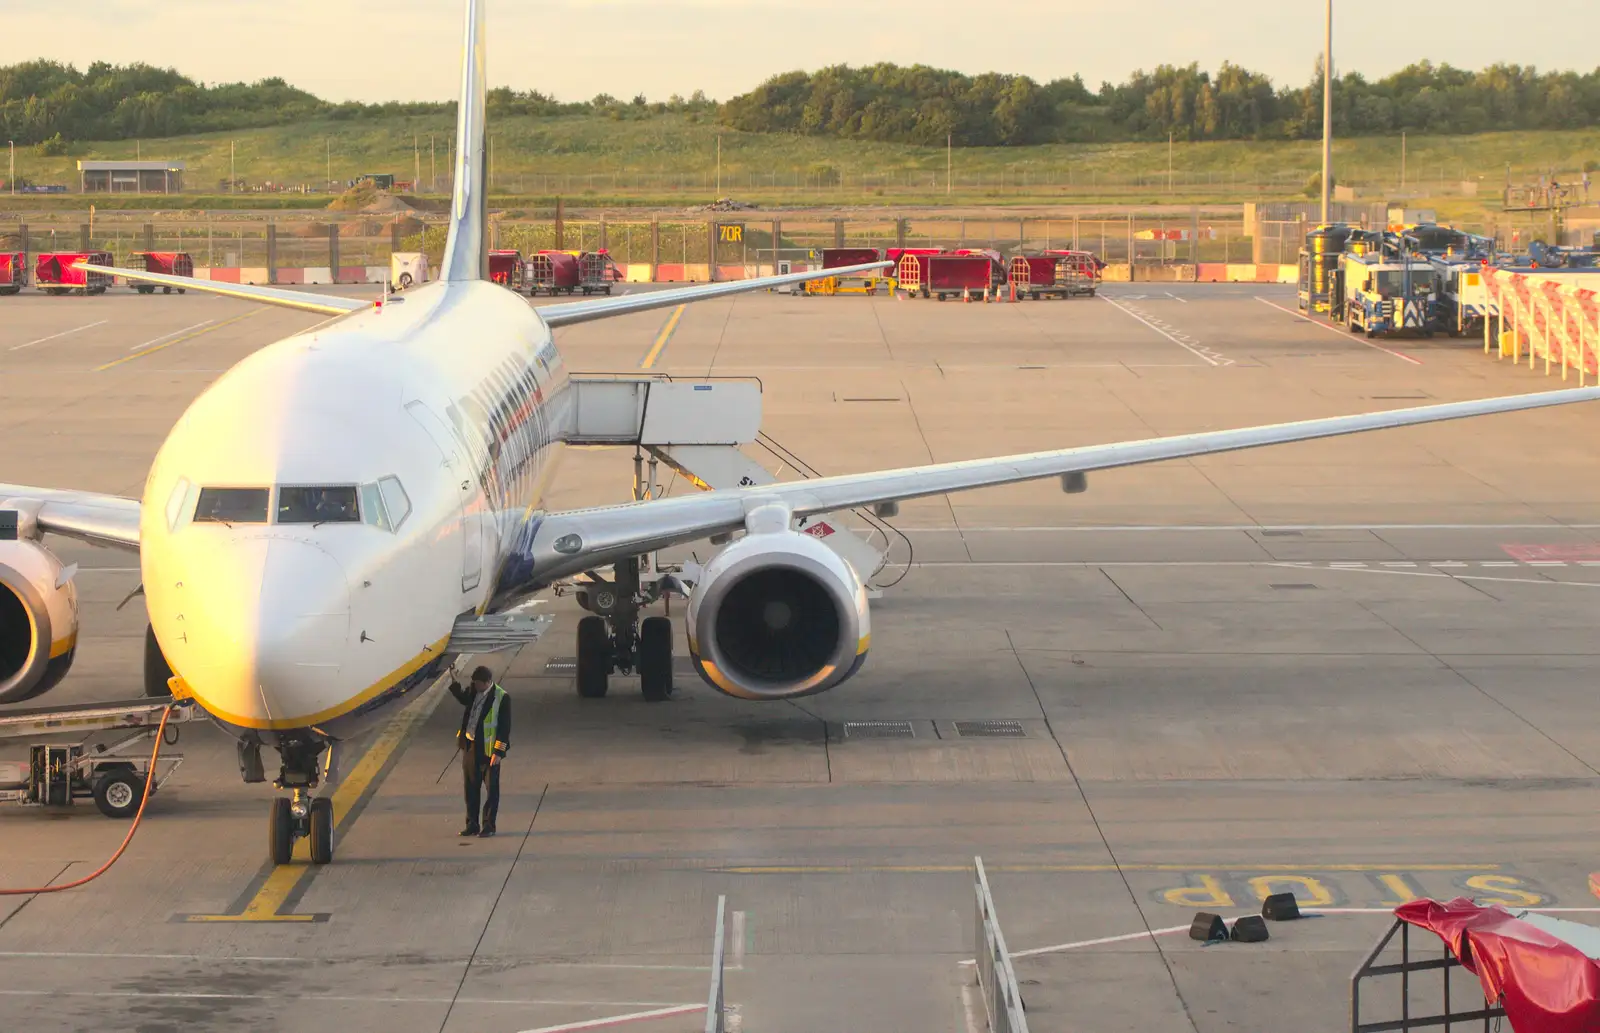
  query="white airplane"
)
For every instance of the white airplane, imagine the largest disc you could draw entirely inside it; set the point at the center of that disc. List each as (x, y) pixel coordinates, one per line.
(323, 516)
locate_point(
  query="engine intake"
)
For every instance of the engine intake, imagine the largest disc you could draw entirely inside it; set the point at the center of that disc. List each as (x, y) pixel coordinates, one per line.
(777, 615)
(38, 620)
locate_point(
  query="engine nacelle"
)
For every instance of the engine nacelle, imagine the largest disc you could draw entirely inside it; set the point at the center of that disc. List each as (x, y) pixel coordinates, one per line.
(38, 620)
(777, 615)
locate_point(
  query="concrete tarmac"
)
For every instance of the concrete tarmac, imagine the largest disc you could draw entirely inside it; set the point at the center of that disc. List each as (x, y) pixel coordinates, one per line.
(1361, 670)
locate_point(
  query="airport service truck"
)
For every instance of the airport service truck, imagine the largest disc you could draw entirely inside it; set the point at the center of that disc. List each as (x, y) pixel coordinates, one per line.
(1384, 294)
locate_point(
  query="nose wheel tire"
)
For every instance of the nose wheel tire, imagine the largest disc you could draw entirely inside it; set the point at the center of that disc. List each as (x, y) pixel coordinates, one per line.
(594, 657)
(280, 831)
(320, 818)
(655, 659)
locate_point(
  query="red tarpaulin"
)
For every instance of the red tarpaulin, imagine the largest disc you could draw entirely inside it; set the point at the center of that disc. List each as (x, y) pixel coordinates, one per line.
(1545, 984)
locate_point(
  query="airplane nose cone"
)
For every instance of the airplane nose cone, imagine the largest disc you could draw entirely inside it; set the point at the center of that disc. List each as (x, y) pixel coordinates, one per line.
(263, 627)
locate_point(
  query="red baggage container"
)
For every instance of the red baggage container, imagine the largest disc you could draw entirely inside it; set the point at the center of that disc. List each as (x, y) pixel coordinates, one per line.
(958, 274)
(835, 257)
(13, 272)
(505, 268)
(895, 254)
(555, 272)
(172, 263)
(1034, 276)
(53, 272)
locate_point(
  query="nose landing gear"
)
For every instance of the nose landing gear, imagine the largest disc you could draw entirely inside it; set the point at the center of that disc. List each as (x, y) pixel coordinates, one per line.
(301, 815)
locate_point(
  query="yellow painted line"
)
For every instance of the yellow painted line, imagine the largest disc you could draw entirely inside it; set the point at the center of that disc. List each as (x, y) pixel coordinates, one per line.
(663, 337)
(1068, 868)
(266, 905)
(178, 340)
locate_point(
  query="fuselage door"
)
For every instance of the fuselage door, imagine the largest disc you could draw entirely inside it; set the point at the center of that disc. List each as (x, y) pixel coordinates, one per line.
(461, 476)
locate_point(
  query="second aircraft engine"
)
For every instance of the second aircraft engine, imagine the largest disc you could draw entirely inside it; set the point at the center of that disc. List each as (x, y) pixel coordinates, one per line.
(38, 620)
(776, 615)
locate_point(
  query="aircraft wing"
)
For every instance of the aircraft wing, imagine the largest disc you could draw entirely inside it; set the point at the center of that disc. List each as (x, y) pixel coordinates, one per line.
(566, 543)
(323, 303)
(109, 520)
(604, 308)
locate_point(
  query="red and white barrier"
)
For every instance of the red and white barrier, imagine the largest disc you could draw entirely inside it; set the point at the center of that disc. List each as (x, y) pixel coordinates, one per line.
(1554, 316)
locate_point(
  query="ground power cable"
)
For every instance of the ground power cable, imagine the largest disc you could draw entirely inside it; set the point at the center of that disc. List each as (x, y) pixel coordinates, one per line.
(155, 755)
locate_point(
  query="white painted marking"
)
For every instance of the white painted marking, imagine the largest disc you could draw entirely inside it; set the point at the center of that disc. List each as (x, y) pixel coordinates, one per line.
(1174, 297)
(1188, 348)
(176, 995)
(1498, 563)
(1589, 563)
(86, 326)
(1449, 563)
(1346, 563)
(175, 333)
(1398, 563)
(1547, 563)
(976, 1021)
(309, 960)
(1463, 577)
(1356, 338)
(737, 933)
(1170, 930)
(617, 1020)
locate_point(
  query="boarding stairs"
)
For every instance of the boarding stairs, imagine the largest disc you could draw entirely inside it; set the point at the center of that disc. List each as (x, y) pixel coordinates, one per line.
(700, 430)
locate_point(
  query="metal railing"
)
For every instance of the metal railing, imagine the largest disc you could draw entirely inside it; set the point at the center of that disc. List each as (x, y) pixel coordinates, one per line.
(997, 980)
(1405, 969)
(714, 1002)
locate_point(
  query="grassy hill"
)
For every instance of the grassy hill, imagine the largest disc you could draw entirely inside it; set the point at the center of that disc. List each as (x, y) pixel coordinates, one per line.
(671, 160)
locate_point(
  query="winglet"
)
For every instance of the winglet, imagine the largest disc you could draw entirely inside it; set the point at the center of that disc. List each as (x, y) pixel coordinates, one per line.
(466, 253)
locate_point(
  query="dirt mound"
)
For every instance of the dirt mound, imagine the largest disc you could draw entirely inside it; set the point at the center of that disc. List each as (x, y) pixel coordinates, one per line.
(387, 203)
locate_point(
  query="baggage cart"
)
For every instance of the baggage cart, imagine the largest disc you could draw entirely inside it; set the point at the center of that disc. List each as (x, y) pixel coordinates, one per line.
(597, 272)
(959, 275)
(554, 272)
(172, 263)
(53, 272)
(112, 774)
(911, 272)
(505, 268)
(839, 257)
(1077, 271)
(13, 272)
(1034, 277)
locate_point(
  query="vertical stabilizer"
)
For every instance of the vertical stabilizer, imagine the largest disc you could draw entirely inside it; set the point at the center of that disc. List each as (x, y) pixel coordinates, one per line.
(466, 254)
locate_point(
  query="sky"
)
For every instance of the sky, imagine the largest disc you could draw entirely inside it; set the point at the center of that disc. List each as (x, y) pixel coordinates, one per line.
(575, 49)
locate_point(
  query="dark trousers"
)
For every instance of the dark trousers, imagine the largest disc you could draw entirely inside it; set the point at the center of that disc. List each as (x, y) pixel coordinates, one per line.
(475, 771)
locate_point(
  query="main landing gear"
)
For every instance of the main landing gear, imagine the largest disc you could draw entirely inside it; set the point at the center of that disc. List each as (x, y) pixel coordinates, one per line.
(300, 815)
(614, 639)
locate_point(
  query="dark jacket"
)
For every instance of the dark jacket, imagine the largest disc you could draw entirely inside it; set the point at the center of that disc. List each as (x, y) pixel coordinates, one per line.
(502, 733)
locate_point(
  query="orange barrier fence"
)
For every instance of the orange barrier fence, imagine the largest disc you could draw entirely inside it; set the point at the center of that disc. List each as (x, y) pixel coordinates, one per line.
(1552, 316)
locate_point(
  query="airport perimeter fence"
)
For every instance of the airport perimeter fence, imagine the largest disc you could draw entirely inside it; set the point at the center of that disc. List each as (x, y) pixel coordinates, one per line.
(751, 239)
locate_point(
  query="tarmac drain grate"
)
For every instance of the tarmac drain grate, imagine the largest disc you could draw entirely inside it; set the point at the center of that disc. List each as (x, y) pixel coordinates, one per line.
(990, 729)
(879, 730)
(1283, 534)
(1295, 585)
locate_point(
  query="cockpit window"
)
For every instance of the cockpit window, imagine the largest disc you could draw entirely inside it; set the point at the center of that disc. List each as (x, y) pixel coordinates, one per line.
(395, 500)
(232, 505)
(318, 505)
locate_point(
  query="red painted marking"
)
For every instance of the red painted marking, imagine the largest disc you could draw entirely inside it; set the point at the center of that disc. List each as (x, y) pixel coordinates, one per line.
(820, 529)
(1563, 553)
(1594, 883)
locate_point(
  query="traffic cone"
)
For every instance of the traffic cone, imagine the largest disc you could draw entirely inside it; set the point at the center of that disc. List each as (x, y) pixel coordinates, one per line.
(966, 295)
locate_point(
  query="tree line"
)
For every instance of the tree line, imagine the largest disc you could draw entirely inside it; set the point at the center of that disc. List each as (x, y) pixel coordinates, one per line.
(924, 105)
(50, 104)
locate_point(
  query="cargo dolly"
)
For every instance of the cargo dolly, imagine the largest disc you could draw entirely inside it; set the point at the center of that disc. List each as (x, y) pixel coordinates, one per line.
(113, 773)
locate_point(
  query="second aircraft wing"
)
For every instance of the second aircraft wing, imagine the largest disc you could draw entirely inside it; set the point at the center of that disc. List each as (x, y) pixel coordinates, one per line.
(568, 542)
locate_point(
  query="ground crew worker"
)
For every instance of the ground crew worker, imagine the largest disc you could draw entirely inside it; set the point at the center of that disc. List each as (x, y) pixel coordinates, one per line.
(484, 738)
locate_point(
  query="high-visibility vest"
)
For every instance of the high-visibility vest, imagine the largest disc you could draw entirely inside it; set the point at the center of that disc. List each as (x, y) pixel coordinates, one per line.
(491, 721)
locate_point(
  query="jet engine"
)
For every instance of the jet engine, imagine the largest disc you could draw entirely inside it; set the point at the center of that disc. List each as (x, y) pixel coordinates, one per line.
(776, 615)
(38, 620)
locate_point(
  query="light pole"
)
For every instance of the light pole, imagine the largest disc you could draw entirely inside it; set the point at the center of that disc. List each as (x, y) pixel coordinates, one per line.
(1327, 109)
